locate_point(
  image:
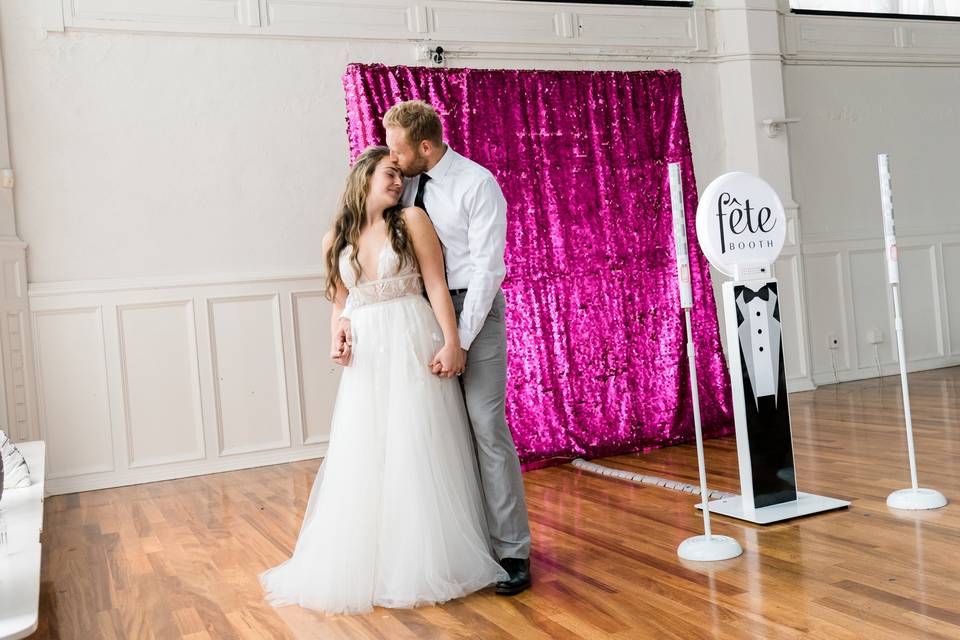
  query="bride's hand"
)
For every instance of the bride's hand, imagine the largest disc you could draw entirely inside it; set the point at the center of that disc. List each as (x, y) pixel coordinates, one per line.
(344, 334)
(450, 361)
(341, 350)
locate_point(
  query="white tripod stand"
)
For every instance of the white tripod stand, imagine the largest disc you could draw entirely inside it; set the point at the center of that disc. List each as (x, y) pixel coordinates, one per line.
(707, 546)
(915, 497)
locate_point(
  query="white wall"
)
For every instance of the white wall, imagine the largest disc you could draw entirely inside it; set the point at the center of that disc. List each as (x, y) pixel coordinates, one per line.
(903, 99)
(160, 155)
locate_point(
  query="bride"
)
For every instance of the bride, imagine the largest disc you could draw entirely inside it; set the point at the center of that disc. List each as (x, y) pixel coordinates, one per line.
(395, 517)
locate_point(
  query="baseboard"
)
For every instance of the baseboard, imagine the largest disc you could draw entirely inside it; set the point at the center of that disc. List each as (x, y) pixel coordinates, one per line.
(889, 369)
(796, 385)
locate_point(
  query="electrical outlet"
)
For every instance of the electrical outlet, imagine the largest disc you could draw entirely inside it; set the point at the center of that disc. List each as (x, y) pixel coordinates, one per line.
(833, 341)
(874, 336)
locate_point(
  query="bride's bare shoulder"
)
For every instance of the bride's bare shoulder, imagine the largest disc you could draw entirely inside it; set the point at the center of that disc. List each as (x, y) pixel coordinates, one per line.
(417, 221)
(415, 215)
(327, 241)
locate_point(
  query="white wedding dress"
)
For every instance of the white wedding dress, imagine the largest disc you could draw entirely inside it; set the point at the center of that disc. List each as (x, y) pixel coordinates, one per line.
(395, 517)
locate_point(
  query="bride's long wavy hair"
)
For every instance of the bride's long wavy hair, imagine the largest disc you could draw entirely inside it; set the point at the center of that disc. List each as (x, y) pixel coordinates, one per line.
(352, 218)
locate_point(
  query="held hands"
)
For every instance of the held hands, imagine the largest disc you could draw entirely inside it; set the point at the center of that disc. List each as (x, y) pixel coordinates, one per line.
(341, 349)
(450, 361)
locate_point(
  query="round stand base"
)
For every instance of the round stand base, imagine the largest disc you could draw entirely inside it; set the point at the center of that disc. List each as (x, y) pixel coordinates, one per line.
(916, 499)
(705, 549)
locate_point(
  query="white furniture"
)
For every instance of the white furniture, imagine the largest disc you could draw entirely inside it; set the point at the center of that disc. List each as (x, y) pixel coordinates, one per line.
(22, 510)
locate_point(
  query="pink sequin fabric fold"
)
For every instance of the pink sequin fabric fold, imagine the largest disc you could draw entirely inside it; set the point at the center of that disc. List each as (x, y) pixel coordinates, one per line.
(596, 345)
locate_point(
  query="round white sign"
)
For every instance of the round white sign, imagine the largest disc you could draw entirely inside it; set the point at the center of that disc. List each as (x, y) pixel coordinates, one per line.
(740, 222)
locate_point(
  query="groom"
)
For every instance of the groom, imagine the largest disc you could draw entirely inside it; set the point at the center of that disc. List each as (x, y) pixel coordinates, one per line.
(468, 211)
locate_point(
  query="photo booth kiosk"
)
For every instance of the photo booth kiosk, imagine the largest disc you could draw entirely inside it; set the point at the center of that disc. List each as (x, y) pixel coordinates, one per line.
(741, 226)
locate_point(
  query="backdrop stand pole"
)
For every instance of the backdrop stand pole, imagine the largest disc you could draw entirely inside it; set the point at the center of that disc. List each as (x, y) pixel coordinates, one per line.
(915, 497)
(707, 547)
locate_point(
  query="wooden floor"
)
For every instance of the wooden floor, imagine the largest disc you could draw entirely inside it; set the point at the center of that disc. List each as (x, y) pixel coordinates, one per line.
(180, 559)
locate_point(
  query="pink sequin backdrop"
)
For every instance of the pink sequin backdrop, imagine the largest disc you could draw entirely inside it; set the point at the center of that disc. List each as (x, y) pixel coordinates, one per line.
(596, 346)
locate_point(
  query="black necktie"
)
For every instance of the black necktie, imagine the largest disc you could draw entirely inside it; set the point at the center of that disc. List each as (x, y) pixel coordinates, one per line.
(418, 200)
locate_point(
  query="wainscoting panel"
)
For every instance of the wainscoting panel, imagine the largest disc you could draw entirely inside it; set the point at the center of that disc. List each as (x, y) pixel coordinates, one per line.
(923, 324)
(494, 23)
(848, 296)
(74, 398)
(871, 309)
(951, 265)
(828, 315)
(333, 19)
(152, 379)
(202, 13)
(311, 316)
(160, 383)
(662, 29)
(247, 352)
(825, 39)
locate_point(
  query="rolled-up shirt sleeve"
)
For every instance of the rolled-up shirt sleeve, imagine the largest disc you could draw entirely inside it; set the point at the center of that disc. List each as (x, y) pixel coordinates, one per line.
(487, 237)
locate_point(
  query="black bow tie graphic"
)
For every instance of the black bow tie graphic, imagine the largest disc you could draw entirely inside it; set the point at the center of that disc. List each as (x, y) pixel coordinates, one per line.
(763, 294)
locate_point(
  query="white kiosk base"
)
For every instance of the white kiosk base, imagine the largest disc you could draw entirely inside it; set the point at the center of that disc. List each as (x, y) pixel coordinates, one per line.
(806, 504)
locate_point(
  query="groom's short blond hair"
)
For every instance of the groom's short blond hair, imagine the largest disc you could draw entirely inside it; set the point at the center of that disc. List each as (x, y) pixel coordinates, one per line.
(418, 119)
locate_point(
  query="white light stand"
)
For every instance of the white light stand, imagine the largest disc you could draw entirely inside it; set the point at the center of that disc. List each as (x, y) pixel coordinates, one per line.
(915, 497)
(708, 546)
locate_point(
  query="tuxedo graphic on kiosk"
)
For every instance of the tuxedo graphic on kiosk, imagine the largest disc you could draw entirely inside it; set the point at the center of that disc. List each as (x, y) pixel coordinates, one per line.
(741, 227)
(765, 394)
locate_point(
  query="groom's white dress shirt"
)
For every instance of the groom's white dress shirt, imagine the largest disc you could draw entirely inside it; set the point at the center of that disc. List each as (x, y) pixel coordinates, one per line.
(469, 212)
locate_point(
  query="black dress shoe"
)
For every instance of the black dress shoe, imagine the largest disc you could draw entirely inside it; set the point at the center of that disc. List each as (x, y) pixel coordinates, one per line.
(519, 570)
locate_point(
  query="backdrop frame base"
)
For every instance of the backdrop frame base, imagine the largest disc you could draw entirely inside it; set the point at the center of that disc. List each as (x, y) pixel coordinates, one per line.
(709, 548)
(916, 499)
(806, 504)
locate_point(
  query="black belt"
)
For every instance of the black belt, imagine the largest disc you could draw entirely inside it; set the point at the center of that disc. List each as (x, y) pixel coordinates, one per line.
(456, 292)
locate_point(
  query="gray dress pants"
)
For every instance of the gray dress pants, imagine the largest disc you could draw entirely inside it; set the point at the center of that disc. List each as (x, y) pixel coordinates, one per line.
(484, 385)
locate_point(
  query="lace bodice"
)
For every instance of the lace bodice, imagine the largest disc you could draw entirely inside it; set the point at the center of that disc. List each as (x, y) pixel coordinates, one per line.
(392, 281)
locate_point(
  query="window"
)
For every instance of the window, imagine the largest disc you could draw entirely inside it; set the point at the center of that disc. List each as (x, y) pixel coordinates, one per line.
(641, 3)
(931, 9)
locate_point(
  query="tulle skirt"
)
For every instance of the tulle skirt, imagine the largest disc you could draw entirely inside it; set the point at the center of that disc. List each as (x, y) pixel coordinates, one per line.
(395, 517)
